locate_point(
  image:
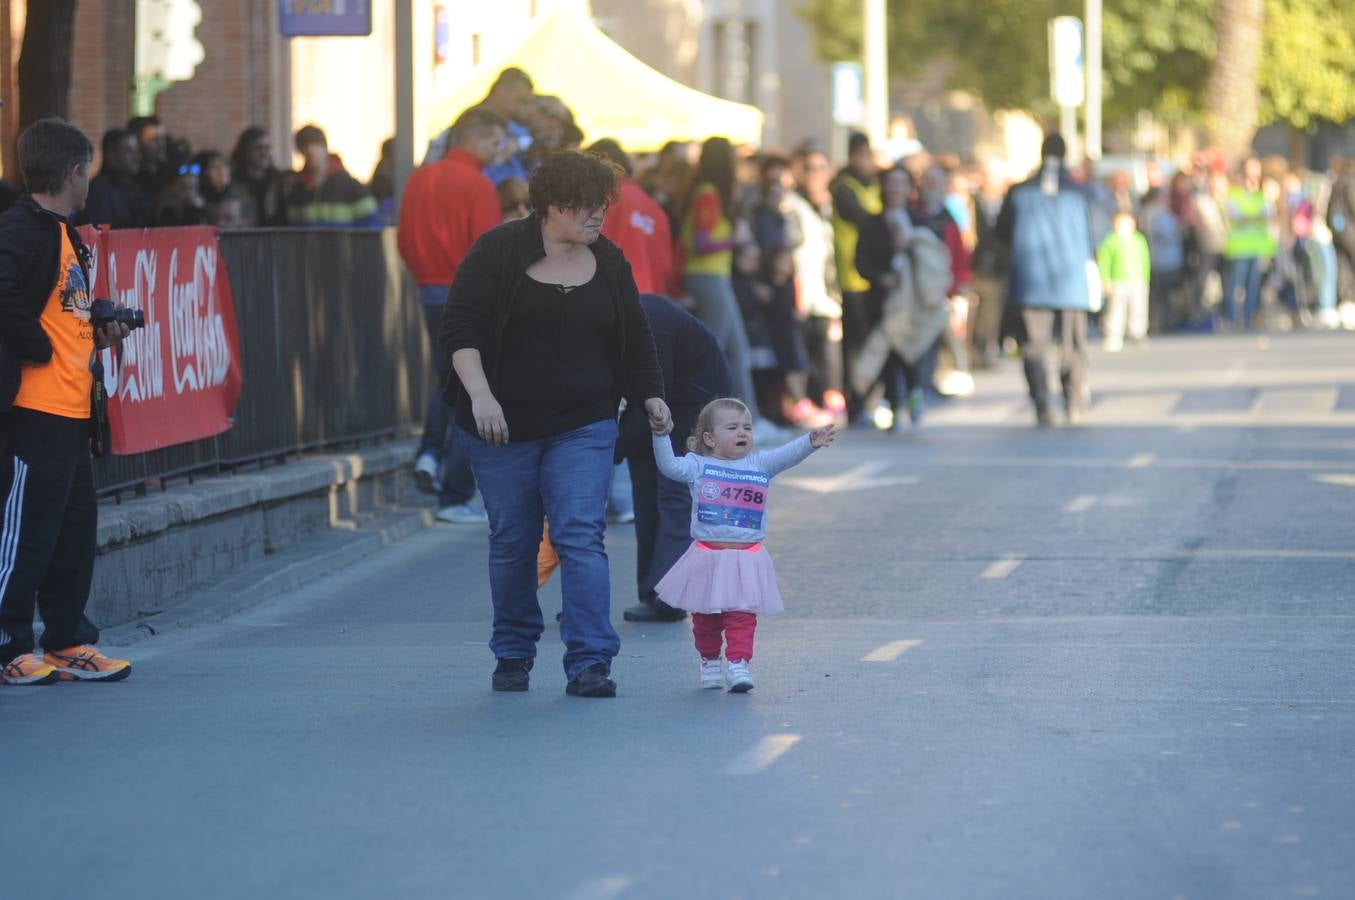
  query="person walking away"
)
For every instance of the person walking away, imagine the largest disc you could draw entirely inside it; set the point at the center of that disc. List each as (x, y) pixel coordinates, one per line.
(1124, 262)
(726, 579)
(1250, 243)
(546, 335)
(47, 347)
(695, 372)
(856, 197)
(447, 206)
(324, 194)
(1046, 221)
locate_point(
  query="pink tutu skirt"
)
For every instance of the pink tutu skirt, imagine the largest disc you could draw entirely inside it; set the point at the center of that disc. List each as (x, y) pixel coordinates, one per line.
(707, 580)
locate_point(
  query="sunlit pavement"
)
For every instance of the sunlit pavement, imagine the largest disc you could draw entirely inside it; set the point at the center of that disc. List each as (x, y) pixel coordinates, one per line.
(1105, 661)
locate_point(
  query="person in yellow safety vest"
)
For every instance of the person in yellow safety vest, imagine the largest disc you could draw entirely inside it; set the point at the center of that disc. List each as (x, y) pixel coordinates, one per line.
(856, 201)
(1251, 240)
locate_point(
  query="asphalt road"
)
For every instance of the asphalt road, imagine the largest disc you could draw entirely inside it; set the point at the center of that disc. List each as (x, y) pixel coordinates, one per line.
(1105, 661)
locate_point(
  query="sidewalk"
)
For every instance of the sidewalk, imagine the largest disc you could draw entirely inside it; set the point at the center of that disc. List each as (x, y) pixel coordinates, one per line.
(201, 551)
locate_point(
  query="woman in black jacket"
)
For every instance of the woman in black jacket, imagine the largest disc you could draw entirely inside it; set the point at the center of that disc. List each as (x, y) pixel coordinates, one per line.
(547, 335)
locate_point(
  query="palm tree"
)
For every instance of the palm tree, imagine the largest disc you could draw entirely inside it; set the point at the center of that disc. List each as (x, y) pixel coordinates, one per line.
(1232, 97)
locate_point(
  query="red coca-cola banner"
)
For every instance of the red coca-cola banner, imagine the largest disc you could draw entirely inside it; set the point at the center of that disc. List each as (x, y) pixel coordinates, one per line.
(177, 379)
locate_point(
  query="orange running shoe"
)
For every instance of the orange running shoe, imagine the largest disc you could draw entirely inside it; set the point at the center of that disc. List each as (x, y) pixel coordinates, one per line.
(28, 669)
(86, 663)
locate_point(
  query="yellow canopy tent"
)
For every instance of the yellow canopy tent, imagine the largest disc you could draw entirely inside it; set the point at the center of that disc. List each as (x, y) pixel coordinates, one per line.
(611, 93)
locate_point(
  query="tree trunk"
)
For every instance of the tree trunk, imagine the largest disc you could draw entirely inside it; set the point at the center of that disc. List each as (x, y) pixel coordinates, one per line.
(45, 61)
(1232, 98)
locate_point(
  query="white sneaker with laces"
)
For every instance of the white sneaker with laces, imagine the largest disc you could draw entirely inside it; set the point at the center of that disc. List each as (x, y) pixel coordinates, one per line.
(740, 679)
(462, 514)
(426, 474)
(711, 676)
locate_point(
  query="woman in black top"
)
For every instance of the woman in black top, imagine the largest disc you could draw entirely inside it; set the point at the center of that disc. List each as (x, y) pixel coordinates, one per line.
(547, 335)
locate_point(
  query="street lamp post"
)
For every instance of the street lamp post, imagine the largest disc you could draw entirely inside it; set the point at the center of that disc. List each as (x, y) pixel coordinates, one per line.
(1093, 112)
(875, 61)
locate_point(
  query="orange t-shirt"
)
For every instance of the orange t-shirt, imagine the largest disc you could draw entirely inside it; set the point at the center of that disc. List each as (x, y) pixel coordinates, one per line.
(61, 385)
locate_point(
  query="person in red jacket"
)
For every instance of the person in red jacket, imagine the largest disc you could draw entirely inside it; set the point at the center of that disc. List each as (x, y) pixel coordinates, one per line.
(447, 205)
(638, 225)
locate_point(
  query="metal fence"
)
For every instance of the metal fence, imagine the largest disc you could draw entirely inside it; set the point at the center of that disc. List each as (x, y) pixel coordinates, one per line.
(333, 348)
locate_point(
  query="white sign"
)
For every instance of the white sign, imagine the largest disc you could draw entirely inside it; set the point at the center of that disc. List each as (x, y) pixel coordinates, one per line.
(1067, 84)
(849, 94)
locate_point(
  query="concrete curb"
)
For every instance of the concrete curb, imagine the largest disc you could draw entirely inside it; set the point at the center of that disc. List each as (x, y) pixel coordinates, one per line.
(186, 504)
(263, 582)
(227, 542)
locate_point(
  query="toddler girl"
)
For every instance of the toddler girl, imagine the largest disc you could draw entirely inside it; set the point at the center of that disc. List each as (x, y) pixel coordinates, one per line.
(726, 578)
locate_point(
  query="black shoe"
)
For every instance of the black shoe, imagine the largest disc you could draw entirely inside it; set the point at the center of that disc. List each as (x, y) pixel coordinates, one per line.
(1043, 417)
(592, 682)
(653, 611)
(511, 675)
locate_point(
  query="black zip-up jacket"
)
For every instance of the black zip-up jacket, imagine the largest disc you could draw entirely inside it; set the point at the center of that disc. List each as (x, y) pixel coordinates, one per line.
(488, 282)
(30, 260)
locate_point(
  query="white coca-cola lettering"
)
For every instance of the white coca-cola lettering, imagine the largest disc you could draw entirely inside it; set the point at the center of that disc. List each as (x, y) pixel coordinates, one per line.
(199, 354)
(141, 375)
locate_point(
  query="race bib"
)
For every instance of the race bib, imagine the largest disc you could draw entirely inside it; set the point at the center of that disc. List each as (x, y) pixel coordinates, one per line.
(732, 497)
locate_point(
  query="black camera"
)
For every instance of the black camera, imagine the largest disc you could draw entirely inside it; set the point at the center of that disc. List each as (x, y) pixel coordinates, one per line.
(103, 313)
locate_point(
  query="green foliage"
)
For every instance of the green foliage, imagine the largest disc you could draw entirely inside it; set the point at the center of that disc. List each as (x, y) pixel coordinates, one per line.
(1308, 62)
(1156, 52)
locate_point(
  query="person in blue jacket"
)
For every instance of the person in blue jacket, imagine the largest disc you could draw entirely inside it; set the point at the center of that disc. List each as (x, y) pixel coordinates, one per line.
(1046, 220)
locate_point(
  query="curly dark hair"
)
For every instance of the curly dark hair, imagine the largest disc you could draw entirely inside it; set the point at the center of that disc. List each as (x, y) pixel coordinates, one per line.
(570, 180)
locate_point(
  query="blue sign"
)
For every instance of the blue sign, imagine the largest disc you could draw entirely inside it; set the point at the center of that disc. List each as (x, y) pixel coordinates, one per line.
(311, 18)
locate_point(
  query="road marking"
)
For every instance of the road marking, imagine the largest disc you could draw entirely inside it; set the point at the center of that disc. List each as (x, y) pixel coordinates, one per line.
(890, 652)
(762, 754)
(1149, 407)
(1081, 504)
(1143, 461)
(1338, 480)
(861, 478)
(1003, 567)
(1284, 405)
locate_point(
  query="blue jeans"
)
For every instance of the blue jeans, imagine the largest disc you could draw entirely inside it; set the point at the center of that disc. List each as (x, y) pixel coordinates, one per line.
(562, 478)
(1242, 272)
(440, 437)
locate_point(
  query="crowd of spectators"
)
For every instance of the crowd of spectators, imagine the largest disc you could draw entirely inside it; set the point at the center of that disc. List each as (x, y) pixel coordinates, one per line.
(762, 243)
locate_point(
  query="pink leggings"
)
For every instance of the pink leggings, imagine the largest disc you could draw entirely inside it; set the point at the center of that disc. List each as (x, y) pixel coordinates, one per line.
(738, 628)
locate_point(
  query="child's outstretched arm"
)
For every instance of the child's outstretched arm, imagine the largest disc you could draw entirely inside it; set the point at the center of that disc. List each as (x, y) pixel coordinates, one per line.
(797, 451)
(679, 468)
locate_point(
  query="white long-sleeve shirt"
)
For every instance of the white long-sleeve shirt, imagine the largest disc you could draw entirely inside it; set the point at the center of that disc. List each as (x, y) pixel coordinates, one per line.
(729, 496)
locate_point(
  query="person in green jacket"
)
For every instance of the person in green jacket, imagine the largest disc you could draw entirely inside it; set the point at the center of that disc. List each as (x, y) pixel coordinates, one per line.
(1250, 243)
(1125, 267)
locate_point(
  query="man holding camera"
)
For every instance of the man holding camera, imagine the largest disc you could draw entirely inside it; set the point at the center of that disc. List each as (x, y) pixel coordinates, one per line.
(48, 342)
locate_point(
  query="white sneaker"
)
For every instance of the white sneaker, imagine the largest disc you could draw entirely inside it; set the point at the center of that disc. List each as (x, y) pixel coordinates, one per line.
(740, 679)
(426, 474)
(711, 676)
(462, 514)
